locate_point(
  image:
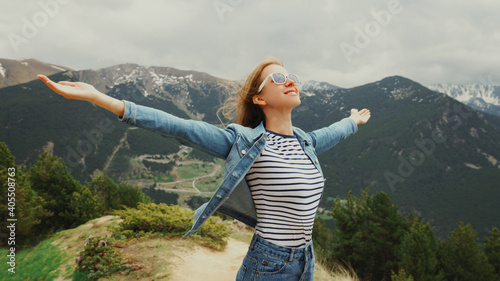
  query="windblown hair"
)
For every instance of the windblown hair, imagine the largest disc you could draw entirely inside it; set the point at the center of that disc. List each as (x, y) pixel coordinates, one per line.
(240, 107)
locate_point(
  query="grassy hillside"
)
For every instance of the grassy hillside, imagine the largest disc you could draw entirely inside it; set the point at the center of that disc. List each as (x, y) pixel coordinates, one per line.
(157, 258)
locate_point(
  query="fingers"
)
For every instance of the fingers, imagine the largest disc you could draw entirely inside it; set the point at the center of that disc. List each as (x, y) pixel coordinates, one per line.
(56, 87)
(49, 82)
(362, 115)
(366, 115)
(67, 83)
(44, 78)
(361, 112)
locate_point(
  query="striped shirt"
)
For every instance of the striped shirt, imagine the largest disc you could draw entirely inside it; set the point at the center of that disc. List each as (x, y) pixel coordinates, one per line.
(286, 188)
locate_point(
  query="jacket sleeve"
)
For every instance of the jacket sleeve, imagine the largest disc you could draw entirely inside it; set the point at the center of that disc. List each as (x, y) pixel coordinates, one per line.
(209, 138)
(325, 138)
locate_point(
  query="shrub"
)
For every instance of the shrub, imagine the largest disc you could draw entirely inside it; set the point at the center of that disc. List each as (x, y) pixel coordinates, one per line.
(99, 258)
(173, 221)
(401, 276)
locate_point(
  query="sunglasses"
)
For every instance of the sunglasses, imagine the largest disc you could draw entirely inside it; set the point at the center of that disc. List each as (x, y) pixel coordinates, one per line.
(279, 78)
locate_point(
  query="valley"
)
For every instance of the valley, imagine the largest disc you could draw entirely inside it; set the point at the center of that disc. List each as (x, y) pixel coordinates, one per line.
(456, 179)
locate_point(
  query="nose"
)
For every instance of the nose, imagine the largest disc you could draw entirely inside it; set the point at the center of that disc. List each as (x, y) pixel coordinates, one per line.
(289, 82)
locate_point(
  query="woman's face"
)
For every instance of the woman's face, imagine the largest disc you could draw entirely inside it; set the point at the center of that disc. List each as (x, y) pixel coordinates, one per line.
(278, 96)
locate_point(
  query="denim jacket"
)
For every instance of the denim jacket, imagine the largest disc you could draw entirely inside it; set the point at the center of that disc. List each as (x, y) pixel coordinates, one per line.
(239, 146)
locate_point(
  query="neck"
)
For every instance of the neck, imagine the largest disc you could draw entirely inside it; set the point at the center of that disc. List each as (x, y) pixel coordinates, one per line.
(280, 124)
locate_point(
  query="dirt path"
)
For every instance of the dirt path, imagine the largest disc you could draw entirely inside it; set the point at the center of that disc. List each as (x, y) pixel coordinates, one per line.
(164, 186)
(115, 149)
(200, 263)
(208, 265)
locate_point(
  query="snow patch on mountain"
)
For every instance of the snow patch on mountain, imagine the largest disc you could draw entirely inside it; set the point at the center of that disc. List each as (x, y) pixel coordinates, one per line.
(312, 85)
(161, 79)
(465, 93)
(58, 68)
(483, 97)
(309, 88)
(400, 93)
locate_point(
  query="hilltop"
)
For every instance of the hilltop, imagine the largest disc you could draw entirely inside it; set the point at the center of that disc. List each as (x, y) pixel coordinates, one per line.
(173, 259)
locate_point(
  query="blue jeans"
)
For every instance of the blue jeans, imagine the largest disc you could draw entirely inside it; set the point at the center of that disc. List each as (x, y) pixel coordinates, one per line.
(268, 261)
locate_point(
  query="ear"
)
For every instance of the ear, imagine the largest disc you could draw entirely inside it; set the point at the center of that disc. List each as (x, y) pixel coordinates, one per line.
(258, 100)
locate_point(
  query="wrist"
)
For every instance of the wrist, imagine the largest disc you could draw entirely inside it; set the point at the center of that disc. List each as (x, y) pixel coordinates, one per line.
(355, 120)
(95, 96)
(107, 102)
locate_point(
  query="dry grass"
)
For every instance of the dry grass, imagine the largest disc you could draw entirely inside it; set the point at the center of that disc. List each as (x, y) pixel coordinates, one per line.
(336, 273)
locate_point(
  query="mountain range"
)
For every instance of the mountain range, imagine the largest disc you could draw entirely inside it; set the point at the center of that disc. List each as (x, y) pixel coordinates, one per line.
(483, 97)
(432, 154)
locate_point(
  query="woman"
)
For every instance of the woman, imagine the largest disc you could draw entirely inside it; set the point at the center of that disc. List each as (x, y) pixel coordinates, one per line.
(272, 178)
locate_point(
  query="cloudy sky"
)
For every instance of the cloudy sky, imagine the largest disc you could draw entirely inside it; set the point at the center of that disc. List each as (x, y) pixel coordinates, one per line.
(345, 43)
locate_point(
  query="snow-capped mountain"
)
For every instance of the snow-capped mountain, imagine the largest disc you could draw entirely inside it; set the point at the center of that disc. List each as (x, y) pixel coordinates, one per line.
(191, 91)
(309, 88)
(483, 97)
(317, 86)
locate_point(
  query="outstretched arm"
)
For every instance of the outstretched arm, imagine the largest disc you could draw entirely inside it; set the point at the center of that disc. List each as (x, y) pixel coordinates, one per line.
(360, 117)
(325, 138)
(86, 92)
(208, 137)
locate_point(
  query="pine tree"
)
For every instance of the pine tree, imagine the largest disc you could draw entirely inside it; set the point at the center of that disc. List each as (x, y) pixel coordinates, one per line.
(462, 258)
(369, 231)
(401, 276)
(27, 207)
(107, 190)
(417, 252)
(114, 196)
(492, 250)
(70, 202)
(323, 241)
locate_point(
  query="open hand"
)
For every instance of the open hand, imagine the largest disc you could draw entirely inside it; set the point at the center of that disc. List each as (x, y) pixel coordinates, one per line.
(71, 90)
(360, 117)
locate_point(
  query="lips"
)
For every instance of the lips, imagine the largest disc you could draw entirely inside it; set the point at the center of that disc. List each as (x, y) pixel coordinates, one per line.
(291, 92)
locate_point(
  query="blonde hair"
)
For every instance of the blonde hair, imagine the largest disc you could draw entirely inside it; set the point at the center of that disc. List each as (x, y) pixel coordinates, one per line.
(240, 107)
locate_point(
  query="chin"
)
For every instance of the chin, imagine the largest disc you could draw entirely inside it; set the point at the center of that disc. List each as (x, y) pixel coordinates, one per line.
(298, 102)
